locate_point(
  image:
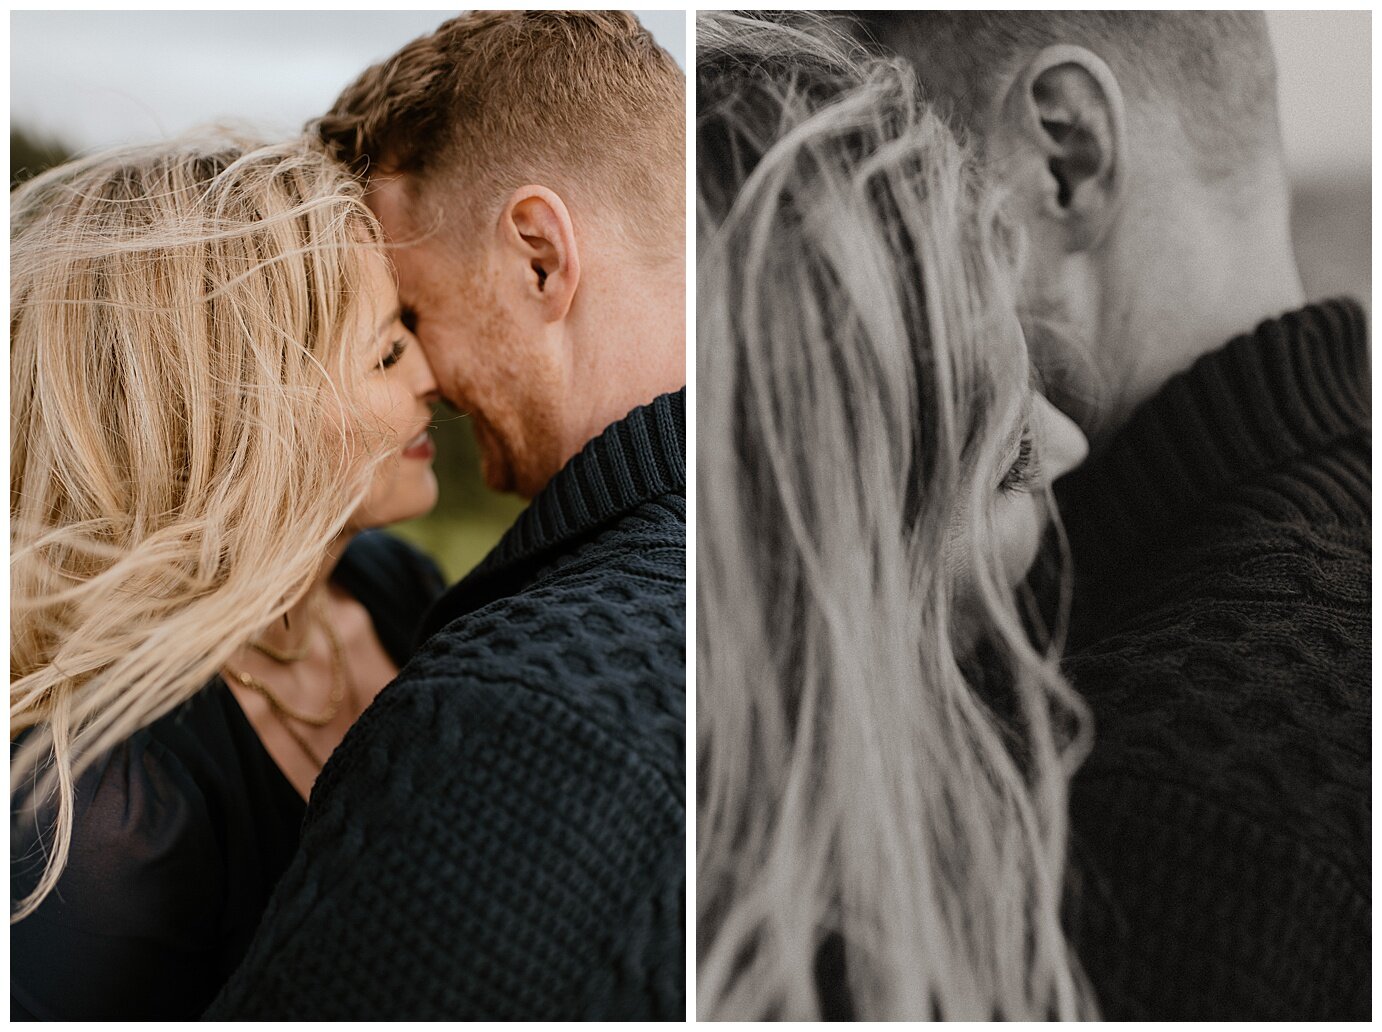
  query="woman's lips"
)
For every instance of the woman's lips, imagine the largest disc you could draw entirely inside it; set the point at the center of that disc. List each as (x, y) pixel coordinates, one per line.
(420, 447)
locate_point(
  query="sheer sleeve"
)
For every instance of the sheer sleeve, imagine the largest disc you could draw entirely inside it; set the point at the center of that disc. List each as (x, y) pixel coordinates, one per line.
(131, 929)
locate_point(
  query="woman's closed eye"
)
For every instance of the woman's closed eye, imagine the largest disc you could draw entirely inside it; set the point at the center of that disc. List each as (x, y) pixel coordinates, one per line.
(1025, 469)
(395, 352)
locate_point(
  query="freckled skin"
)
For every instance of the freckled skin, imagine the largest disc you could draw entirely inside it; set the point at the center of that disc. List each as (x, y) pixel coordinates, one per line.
(511, 383)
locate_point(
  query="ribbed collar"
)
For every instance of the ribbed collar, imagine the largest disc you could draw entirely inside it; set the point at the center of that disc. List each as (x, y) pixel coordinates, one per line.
(1290, 387)
(633, 461)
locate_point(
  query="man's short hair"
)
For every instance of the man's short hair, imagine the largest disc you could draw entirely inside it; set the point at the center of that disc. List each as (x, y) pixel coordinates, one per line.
(584, 102)
(1214, 70)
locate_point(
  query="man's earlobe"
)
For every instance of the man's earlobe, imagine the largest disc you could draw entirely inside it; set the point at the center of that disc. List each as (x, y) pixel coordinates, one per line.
(1070, 108)
(536, 230)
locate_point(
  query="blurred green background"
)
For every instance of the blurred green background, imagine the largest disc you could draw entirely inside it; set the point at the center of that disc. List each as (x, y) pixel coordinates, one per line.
(469, 518)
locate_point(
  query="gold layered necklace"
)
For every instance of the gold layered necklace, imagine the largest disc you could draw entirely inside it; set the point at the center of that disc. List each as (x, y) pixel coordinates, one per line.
(287, 655)
(284, 711)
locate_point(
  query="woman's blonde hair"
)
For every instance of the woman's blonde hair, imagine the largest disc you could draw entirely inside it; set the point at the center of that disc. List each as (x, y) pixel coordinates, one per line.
(862, 790)
(184, 430)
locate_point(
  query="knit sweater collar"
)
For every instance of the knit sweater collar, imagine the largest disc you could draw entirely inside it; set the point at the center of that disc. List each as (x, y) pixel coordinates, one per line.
(634, 460)
(1287, 389)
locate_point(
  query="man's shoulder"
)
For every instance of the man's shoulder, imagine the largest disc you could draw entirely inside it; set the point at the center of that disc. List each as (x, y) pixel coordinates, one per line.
(1258, 614)
(510, 812)
(593, 606)
(1158, 862)
(658, 525)
(649, 541)
(1229, 782)
(604, 640)
(1245, 675)
(1297, 535)
(1328, 486)
(596, 639)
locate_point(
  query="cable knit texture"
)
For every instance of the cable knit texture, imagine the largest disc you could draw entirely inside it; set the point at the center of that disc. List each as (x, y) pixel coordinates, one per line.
(1221, 857)
(502, 834)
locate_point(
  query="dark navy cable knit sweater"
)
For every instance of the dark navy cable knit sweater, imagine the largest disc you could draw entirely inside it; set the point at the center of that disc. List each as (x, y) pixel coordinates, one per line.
(502, 834)
(1221, 828)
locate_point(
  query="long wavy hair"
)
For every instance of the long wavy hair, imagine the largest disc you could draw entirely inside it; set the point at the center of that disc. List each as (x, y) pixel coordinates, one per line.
(186, 440)
(865, 785)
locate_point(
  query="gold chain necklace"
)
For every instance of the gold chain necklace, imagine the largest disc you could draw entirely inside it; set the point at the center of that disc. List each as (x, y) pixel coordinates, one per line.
(285, 711)
(317, 761)
(284, 655)
(289, 655)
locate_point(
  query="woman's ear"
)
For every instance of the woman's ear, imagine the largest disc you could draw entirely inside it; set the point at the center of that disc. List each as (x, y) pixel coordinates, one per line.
(536, 233)
(1064, 121)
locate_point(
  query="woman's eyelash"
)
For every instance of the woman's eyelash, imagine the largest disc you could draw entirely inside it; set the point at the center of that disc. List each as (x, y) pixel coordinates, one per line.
(1025, 468)
(395, 353)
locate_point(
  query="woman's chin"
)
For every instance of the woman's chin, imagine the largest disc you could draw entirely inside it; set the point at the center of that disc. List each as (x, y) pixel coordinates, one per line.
(400, 503)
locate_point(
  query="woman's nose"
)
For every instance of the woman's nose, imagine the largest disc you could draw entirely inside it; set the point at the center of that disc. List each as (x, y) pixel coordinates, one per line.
(1063, 443)
(423, 381)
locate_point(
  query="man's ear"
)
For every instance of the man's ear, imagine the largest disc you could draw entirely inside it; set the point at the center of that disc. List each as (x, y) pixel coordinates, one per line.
(536, 230)
(1066, 109)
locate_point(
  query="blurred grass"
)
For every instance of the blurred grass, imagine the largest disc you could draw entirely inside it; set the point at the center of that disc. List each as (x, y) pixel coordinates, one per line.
(456, 544)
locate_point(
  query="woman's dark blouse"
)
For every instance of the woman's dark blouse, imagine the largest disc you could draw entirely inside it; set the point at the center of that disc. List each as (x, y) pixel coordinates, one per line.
(180, 837)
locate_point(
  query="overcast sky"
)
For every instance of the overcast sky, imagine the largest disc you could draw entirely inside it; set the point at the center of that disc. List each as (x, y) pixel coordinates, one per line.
(1324, 65)
(89, 78)
(93, 78)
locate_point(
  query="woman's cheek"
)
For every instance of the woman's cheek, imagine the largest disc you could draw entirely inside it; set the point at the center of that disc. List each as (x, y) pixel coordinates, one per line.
(1017, 530)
